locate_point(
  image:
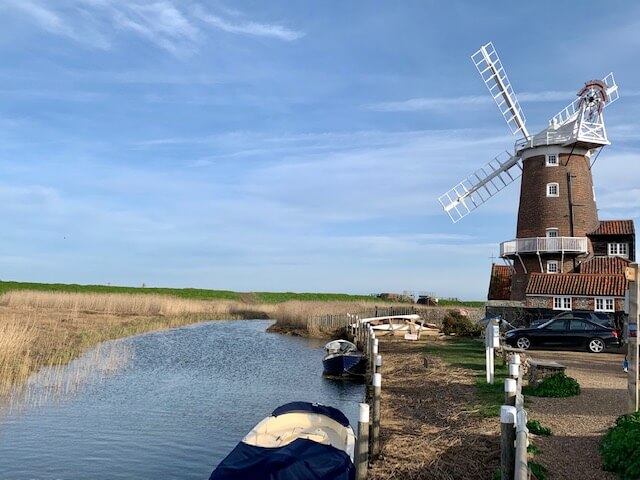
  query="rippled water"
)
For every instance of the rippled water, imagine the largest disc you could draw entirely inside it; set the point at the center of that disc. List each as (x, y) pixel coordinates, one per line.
(178, 404)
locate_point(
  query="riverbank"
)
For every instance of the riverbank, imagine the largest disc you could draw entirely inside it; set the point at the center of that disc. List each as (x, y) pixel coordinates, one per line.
(39, 329)
(430, 422)
(44, 328)
(438, 421)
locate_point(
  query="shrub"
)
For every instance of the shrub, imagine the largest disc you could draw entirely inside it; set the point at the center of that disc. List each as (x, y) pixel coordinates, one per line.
(540, 471)
(620, 448)
(558, 385)
(459, 325)
(536, 428)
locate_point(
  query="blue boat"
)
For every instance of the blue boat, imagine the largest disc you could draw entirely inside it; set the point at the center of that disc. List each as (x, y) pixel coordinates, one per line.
(343, 358)
(299, 441)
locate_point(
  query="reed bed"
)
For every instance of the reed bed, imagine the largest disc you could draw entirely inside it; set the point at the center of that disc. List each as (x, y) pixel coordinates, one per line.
(50, 329)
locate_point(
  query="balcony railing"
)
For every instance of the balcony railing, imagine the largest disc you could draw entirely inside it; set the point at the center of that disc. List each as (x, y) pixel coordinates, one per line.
(544, 245)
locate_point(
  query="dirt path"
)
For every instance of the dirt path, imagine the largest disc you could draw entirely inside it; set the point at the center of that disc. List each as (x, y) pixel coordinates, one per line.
(578, 423)
(428, 427)
(430, 431)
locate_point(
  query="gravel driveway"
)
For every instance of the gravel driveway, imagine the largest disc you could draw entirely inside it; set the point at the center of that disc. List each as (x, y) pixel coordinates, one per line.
(578, 423)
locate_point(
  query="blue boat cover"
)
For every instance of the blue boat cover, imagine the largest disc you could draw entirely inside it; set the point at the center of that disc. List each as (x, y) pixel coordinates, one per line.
(302, 459)
(326, 410)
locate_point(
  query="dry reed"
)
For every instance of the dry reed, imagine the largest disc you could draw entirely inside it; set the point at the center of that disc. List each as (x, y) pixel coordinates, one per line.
(47, 329)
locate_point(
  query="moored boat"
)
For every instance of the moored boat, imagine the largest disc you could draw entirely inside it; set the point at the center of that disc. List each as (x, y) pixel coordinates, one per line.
(399, 325)
(342, 358)
(298, 441)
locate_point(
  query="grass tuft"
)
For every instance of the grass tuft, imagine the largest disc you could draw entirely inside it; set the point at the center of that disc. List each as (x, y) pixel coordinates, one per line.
(470, 353)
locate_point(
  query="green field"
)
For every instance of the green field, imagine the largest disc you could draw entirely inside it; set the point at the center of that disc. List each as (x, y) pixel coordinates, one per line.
(203, 294)
(190, 293)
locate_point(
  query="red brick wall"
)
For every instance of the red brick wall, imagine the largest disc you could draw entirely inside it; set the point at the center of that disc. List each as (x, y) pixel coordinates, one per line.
(537, 212)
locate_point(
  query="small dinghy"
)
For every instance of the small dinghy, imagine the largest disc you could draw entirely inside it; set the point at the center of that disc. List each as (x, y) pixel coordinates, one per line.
(343, 358)
(300, 440)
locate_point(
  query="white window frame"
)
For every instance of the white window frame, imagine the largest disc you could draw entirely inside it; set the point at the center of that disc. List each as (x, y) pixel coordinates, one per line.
(562, 302)
(604, 304)
(550, 187)
(548, 160)
(618, 249)
(553, 266)
(551, 231)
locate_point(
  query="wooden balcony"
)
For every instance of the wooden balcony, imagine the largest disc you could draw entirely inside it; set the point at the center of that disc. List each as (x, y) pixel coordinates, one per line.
(571, 245)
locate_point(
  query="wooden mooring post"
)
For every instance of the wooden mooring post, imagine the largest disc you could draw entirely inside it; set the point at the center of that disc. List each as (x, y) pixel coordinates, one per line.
(375, 424)
(510, 390)
(362, 443)
(507, 441)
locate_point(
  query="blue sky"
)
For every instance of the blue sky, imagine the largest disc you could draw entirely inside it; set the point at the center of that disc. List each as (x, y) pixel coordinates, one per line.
(281, 145)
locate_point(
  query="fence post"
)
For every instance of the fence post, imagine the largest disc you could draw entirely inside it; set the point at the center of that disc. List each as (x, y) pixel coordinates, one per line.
(507, 441)
(375, 425)
(362, 443)
(510, 389)
(374, 354)
(378, 364)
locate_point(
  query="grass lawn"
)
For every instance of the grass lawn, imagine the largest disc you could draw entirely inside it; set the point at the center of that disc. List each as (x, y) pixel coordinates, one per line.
(470, 353)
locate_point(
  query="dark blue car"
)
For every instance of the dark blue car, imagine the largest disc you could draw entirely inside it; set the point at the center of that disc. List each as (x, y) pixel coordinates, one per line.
(566, 333)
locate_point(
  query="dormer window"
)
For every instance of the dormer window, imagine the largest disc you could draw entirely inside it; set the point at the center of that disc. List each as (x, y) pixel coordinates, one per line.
(552, 160)
(618, 250)
(552, 232)
(553, 190)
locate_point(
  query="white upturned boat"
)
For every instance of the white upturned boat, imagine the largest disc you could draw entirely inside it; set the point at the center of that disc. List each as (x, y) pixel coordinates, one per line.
(399, 325)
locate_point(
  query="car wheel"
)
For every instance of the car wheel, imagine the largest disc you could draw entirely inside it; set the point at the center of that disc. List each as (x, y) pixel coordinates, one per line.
(524, 343)
(595, 345)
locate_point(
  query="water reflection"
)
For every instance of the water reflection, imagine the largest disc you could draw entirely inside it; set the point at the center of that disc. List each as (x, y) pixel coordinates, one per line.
(168, 404)
(61, 382)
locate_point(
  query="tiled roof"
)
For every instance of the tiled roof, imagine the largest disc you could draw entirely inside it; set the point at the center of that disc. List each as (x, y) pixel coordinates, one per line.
(605, 265)
(500, 284)
(576, 284)
(614, 227)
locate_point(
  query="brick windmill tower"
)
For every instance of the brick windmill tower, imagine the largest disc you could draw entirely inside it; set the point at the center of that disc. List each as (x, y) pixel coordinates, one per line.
(557, 202)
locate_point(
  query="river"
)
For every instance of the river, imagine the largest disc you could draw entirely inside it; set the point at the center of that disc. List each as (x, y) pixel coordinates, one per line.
(172, 406)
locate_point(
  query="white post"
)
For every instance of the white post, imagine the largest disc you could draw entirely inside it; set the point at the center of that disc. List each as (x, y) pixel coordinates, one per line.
(378, 364)
(362, 448)
(375, 425)
(492, 340)
(374, 354)
(510, 389)
(632, 273)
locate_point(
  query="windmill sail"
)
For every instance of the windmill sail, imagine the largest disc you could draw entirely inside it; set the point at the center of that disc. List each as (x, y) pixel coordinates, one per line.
(495, 78)
(481, 185)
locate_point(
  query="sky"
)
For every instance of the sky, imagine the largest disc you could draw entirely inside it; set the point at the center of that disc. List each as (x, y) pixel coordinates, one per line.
(285, 145)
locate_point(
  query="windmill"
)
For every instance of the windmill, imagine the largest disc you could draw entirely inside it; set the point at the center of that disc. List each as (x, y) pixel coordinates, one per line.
(557, 201)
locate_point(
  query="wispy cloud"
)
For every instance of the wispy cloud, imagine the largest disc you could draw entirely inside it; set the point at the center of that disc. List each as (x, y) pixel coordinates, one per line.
(175, 27)
(251, 28)
(464, 102)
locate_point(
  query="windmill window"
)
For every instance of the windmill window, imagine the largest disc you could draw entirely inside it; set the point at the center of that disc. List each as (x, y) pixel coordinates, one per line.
(552, 266)
(552, 232)
(552, 160)
(561, 303)
(553, 190)
(604, 304)
(618, 250)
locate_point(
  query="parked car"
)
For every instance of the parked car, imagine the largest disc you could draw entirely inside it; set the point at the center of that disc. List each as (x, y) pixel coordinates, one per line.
(565, 332)
(599, 317)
